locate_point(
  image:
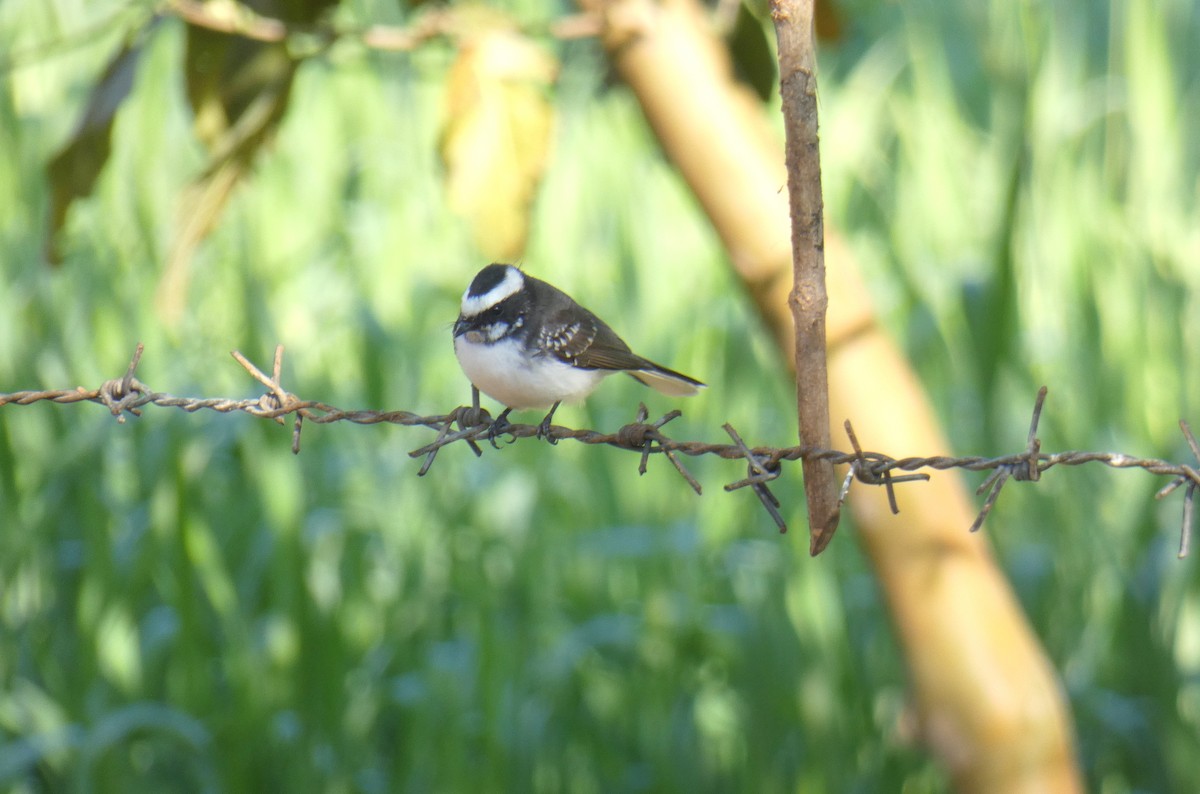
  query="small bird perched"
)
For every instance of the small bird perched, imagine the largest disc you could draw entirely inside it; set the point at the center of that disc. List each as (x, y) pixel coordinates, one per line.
(527, 344)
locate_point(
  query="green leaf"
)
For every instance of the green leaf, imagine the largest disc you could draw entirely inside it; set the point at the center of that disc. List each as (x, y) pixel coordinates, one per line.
(753, 57)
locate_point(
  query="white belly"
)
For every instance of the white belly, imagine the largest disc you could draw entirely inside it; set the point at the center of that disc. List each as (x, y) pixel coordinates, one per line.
(503, 373)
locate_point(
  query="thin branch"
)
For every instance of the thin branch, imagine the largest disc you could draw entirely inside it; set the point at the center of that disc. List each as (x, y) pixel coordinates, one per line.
(798, 90)
(237, 19)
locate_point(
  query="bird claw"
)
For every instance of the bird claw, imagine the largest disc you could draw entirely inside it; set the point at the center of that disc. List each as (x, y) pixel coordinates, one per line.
(543, 430)
(497, 428)
(501, 425)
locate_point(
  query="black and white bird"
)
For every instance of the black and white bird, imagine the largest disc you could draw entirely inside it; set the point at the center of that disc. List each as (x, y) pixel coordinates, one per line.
(527, 344)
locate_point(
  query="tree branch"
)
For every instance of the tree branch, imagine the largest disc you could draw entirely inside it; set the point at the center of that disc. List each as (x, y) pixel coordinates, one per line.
(798, 88)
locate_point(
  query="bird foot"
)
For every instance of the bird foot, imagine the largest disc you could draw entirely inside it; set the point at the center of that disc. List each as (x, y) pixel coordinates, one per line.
(543, 430)
(498, 427)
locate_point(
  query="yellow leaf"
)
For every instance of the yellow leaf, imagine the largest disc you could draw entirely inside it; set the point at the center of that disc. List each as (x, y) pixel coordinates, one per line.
(497, 137)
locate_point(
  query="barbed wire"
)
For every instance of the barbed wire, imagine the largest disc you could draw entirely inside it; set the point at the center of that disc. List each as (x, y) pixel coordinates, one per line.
(472, 425)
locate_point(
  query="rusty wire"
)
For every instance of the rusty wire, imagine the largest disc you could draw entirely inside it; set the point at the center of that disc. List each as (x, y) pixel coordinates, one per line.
(470, 424)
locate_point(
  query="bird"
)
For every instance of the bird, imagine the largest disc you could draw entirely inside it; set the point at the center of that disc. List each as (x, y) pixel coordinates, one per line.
(527, 344)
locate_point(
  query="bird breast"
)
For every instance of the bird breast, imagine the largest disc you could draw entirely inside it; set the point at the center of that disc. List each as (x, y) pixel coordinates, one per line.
(505, 372)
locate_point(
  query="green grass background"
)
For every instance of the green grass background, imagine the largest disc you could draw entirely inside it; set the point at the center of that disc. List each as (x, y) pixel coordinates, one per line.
(185, 606)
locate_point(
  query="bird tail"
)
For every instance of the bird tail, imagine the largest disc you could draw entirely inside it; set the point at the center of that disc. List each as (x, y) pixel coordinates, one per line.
(667, 381)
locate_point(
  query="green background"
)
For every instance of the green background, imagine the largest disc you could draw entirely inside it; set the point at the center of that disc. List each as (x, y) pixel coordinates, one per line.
(186, 606)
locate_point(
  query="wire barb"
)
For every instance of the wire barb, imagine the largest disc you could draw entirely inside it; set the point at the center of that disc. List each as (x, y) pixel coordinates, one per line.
(1025, 466)
(121, 395)
(760, 471)
(638, 434)
(1190, 477)
(873, 468)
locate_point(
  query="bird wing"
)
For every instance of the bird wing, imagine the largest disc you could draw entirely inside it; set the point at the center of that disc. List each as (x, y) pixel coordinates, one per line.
(575, 336)
(582, 339)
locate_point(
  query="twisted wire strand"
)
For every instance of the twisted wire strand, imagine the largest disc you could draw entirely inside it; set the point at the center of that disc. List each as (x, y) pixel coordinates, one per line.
(472, 425)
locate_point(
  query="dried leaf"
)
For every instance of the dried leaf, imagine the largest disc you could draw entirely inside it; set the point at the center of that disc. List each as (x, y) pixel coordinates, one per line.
(74, 170)
(239, 90)
(497, 136)
(225, 75)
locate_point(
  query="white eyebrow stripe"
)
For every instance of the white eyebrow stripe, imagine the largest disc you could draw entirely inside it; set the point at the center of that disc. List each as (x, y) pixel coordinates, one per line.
(510, 285)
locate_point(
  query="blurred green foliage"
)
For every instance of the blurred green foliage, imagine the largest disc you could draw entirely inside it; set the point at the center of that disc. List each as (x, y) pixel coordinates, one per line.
(185, 606)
